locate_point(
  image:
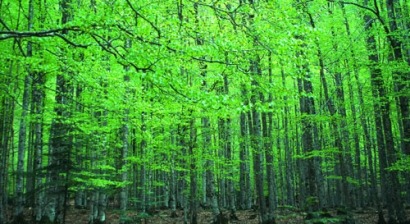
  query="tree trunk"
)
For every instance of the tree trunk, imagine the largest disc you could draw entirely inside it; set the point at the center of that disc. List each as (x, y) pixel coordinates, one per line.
(289, 165)
(143, 170)
(212, 198)
(385, 142)
(125, 144)
(399, 43)
(267, 127)
(372, 191)
(38, 102)
(340, 139)
(18, 210)
(244, 172)
(60, 140)
(309, 179)
(6, 139)
(193, 202)
(257, 146)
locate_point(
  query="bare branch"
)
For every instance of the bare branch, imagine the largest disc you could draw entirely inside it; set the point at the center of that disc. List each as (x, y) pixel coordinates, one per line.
(143, 17)
(42, 33)
(213, 61)
(4, 35)
(358, 5)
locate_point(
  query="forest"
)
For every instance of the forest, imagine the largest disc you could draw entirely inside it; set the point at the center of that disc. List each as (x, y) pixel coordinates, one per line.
(123, 111)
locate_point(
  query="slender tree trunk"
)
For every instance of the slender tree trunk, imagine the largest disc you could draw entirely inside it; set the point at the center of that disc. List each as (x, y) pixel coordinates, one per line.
(307, 108)
(340, 138)
(227, 142)
(38, 102)
(210, 192)
(18, 212)
(256, 142)
(212, 198)
(6, 133)
(173, 189)
(222, 180)
(193, 202)
(125, 144)
(359, 170)
(267, 127)
(289, 166)
(385, 142)
(60, 139)
(18, 209)
(244, 172)
(401, 53)
(372, 191)
(143, 171)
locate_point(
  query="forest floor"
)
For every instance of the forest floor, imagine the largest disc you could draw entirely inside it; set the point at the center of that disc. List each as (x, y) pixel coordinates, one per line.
(288, 216)
(75, 216)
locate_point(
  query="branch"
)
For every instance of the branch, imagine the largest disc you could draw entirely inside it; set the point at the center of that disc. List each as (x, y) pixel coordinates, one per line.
(42, 33)
(376, 12)
(107, 47)
(4, 24)
(70, 42)
(146, 41)
(358, 5)
(213, 61)
(4, 35)
(143, 17)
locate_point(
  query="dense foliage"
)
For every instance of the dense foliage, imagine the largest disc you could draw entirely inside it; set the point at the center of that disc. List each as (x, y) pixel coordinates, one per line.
(223, 104)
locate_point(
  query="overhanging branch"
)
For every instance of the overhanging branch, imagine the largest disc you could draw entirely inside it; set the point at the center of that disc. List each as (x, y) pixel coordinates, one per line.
(9, 34)
(358, 5)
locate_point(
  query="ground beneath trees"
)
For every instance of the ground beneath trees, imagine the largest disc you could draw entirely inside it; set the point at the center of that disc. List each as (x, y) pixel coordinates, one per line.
(288, 216)
(76, 216)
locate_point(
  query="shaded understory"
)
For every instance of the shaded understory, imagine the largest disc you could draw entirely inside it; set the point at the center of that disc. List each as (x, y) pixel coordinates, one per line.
(283, 215)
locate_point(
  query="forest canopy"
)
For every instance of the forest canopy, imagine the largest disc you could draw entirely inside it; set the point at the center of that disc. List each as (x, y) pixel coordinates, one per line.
(223, 105)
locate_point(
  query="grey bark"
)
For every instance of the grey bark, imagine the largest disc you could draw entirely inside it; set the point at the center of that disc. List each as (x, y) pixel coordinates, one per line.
(18, 212)
(229, 155)
(18, 209)
(400, 46)
(38, 103)
(212, 199)
(289, 165)
(344, 169)
(60, 140)
(267, 127)
(372, 191)
(244, 169)
(193, 202)
(257, 146)
(143, 171)
(308, 176)
(385, 142)
(6, 139)
(360, 171)
(125, 143)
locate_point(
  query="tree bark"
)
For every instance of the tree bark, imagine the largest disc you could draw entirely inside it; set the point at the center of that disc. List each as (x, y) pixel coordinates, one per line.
(193, 202)
(125, 143)
(6, 139)
(385, 142)
(308, 178)
(244, 172)
(38, 103)
(18, 212)
(267, 127)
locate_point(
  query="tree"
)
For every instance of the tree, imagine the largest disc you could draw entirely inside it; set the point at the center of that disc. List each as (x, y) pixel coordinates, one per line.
(140, 106)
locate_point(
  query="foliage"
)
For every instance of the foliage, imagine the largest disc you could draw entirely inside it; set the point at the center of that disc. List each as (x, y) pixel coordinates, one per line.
(118, 94)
